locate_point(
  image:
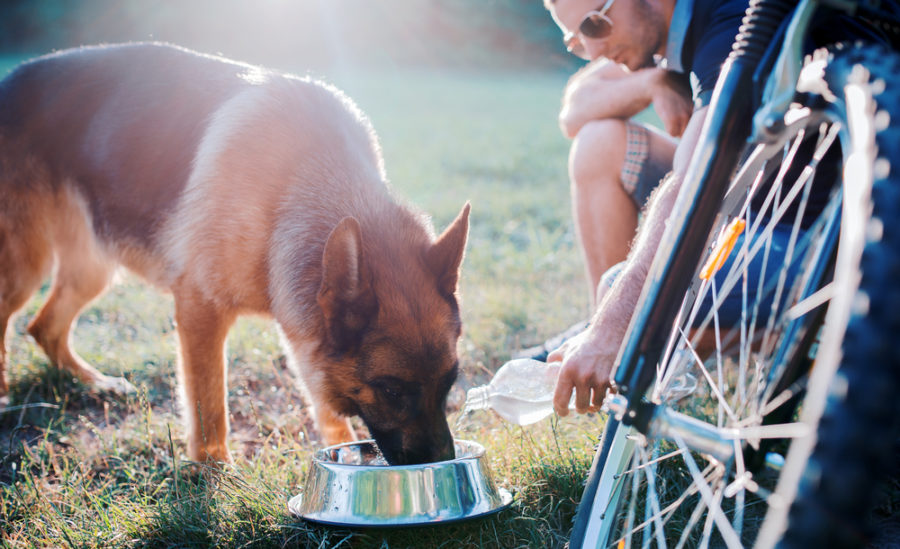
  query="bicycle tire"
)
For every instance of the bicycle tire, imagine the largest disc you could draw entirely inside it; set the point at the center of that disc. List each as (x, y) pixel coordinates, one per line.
(589, 494)
(823, 494)
(858, 426)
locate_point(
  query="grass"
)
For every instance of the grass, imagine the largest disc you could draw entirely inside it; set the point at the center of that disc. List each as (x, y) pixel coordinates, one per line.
(77, 469)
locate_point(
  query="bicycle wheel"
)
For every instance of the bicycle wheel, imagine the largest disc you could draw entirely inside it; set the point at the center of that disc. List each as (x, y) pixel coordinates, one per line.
(739, 355)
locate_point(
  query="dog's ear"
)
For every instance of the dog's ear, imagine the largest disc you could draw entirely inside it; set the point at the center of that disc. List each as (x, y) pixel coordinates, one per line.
(446, 254)
(346, 295)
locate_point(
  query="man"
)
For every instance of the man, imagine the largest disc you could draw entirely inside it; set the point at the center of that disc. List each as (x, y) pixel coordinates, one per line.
(615, 163)
(629, 41)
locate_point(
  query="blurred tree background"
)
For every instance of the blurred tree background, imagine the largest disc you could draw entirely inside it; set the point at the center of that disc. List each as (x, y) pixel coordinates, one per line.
(310, 34)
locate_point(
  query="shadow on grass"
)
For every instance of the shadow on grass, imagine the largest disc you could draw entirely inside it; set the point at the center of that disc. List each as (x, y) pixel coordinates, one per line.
(45, 403)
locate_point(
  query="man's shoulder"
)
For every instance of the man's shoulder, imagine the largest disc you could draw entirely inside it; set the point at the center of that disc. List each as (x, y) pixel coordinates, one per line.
(708, 40)
(707, 12)
(694, 21)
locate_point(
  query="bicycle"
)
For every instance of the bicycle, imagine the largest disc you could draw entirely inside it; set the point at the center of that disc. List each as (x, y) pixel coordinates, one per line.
(793, 418)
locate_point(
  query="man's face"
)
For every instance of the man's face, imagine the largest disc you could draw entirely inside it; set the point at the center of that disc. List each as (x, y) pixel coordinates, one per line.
(639, 29)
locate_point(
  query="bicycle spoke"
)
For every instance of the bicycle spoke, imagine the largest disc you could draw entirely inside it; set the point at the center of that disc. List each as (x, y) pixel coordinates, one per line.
(710, 381)
(771, 404)
(710, 519)
(744, 350)
(780, 205)
(653, 500)
(738, 269)
(814, 301)
(695, 518)
(822, 146)
(784, 430)
(629, 520)
(663, 371)
(740, 473)
(817, 256)
(785, 395)
(709, 473)
(660, 459)
(718, 336)
(721, 521)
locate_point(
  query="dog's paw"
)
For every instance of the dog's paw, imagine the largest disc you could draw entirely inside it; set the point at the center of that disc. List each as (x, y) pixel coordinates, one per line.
(4, 402)
(211, 455)
(116, 385)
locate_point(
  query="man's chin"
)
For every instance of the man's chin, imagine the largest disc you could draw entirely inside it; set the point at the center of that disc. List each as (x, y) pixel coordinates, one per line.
(645, 63)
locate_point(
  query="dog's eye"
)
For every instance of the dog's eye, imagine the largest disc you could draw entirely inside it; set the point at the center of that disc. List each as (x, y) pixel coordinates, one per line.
(390, 392)
(395, 391)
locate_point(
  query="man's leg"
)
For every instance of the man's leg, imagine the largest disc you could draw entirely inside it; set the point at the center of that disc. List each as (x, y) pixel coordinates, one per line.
(614, 165)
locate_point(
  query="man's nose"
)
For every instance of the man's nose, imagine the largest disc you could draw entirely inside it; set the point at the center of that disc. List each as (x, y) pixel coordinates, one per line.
(595, 49)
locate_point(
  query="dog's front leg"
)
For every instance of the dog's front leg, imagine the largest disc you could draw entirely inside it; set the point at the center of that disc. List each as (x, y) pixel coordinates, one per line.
(334, 428)
(202, 330)
(311, 370)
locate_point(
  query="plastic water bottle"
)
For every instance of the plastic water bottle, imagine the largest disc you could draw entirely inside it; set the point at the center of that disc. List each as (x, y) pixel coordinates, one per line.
(521, 392)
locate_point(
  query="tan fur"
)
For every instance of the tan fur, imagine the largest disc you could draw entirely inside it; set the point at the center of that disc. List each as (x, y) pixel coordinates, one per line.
(255, 231)
(47, 229)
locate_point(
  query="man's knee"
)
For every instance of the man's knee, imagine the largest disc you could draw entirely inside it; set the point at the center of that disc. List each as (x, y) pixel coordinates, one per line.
(598, 152)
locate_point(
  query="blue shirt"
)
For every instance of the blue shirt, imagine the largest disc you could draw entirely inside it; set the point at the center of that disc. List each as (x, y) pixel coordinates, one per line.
(702, 32)
(700, 37)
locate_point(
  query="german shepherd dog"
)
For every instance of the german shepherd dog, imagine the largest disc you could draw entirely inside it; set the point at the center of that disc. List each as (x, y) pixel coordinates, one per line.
(240, 191)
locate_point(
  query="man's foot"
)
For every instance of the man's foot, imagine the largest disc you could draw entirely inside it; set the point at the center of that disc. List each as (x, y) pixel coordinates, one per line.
(540, 352)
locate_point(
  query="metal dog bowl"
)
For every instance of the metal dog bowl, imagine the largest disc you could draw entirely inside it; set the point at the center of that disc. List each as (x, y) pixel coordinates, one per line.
(351, 485)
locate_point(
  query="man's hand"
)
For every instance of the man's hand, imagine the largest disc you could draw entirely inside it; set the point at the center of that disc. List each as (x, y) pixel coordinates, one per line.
(603, 90)
(585, 369)
(672, 102)
(587, 96)
(588, 358)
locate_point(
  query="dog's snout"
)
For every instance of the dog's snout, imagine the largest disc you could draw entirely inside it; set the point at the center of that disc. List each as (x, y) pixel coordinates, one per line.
(426, 454)
(432, 447)
(417, 443)
(447, 452)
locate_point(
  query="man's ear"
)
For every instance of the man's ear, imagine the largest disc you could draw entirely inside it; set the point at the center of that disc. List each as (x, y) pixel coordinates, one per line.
(346, 295)
(446, 253)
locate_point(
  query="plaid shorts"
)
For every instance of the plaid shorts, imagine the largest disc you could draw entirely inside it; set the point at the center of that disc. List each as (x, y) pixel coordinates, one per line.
(642, 170)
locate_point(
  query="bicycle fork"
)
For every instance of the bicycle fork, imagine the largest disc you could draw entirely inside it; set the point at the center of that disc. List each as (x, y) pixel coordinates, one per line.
(666, 423)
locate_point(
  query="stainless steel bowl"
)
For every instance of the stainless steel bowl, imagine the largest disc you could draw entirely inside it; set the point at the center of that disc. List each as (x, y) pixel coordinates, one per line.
(351, 485)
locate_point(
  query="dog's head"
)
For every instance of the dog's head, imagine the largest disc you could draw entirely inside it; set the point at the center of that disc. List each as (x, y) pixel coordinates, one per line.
(392, 325)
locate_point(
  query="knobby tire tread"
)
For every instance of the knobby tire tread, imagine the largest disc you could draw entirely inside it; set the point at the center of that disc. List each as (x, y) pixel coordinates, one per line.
(859, 427)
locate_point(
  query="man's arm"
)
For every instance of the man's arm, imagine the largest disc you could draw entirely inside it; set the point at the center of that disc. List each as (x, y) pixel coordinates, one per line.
(604, 90)
(587, 360)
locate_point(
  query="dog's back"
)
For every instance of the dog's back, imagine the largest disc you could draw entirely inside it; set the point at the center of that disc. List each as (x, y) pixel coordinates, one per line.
(146, 106)
(173, 152)
(125, 125)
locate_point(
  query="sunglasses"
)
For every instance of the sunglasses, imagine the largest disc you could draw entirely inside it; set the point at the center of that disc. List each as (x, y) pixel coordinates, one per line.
(595, 25)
